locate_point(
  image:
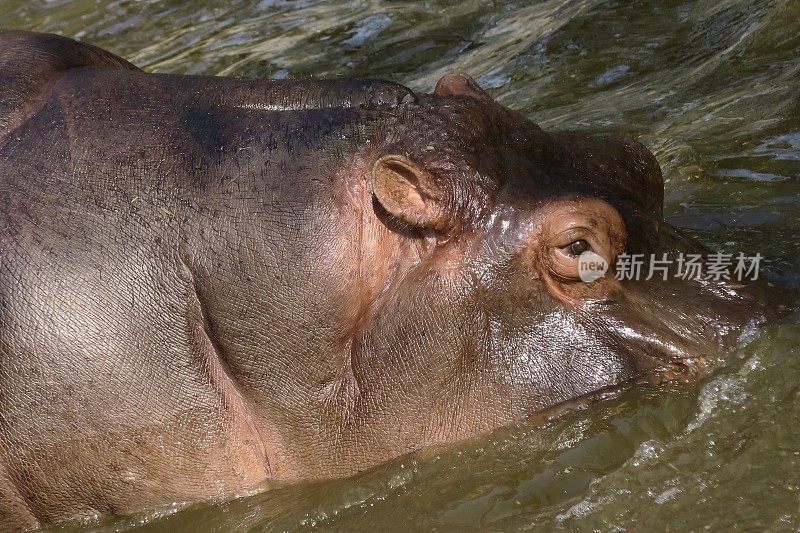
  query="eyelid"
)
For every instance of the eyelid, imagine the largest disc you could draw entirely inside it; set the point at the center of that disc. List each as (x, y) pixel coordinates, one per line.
(579, 233)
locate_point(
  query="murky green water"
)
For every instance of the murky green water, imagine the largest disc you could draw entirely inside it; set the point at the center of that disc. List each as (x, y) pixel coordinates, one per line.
(713, 87)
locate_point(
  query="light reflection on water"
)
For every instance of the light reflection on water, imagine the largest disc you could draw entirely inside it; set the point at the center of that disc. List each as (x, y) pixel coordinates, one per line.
(710, 86)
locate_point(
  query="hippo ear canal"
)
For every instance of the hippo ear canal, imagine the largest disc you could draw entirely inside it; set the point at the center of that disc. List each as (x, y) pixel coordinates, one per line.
(408, 192)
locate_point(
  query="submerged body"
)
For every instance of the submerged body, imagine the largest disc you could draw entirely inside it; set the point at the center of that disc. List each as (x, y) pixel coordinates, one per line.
(206, 283)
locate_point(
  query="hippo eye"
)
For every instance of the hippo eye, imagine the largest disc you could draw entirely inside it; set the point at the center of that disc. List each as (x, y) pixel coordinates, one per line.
(578, 247)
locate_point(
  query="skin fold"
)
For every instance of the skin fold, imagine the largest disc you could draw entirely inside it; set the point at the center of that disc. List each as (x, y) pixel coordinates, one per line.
(206, 283)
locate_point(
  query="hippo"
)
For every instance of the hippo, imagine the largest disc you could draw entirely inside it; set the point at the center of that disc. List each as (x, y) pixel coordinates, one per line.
(209, 283)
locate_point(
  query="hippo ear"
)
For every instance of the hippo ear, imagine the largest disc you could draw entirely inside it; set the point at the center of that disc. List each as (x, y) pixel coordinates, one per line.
(408, 192)
(459, 84)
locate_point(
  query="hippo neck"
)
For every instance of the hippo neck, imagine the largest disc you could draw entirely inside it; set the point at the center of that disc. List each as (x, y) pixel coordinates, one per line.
(290, 259)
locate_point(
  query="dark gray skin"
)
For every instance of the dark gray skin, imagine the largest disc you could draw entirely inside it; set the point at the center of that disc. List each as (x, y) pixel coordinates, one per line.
(206, 283)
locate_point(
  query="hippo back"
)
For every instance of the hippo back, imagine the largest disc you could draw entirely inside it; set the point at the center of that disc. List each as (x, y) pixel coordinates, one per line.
(28, 65)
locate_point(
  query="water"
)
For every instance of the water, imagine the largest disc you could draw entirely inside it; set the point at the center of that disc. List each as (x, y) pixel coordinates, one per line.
(710, 86)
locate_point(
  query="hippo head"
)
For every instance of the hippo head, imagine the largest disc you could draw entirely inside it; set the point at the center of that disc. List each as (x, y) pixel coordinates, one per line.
(504, 216)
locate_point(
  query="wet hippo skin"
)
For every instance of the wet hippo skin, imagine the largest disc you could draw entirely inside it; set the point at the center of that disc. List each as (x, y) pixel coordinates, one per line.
(206, 283)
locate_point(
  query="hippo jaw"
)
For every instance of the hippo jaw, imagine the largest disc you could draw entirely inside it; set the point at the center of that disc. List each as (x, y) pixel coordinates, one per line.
(677, 333)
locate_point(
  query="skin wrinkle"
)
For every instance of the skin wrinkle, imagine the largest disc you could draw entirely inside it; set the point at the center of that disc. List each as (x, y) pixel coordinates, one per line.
(373, 282)
(45, 76)
(31, 108)
(218, 373)
(11, 496)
